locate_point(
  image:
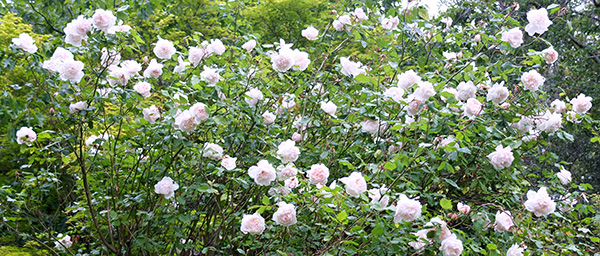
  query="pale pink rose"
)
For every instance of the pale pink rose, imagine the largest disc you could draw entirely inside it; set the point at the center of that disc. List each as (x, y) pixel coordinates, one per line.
(548, 122)
(370, 126)
(538, 21)
(572, 117)
(504, 221)
(473, 108)
(287, 151)
(466, 90)
(564, 176)
(76, 30)
(524, 125)
(345, 19)
(567, 205)
(210, 75)
(408, 79)
(103, 20)
(351, 68)
(532, 80)
(269, 118)
(502, 157)
(359, 14)
(228, 162)
(452, 56)
(250, 45)
(413, 107)
(447, 20)
(422, 240)
(435, 222)
(451, 246)
(131, 67)
(558, 106)
(153, 70)
(424, 91)
(285, 214)
(63, 243)
(310, 33)
(287, 101)
(286, 171)
(477, 38)
(407, 209)
(195, 55)
(185, 121)
(283, 60)
(505, 105)
(390, 23)
(119, 28)
(212, 150)
(216, 47)
(498, 93)
(514, 37)
(151, 114)
(59, 56)
(199, 112)
(463, 208)
(318, 174)
(253, 96)
(263, 173)
(297, 137)
(179, 99)
(355, 184)
(253, 224)
(164, 49)
(539, 202)
(329, 108)
(26, 135)
(71, 70)
(394, 93)
(291, 182)
(181, 66)
(143, 88)
(25, 42)
(76, 107)
(550, 55)
(301, 60)
(377, 199)
(581, 104)
(109, 58)
(337, 25)
(515, 250)
(166, 187)
(446, 141)
(117, 75)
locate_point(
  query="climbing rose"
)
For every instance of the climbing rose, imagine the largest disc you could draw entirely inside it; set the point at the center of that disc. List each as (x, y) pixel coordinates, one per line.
(473, 108)
(199, 112)
(515, 250)
(253, 224)
(283, 60)
(370, 126)
(151, 114)
(216, 47)
(318, 174)
(185, 121)
(63, 243)
(166, 187)
(540, 202)
(26, 135)
(301, 60)
(351, 68)
(164, 49)
(76, 30)
(359, 14)
(466, 90)
(269, 118)
(287, 151)
(228, 162)
(451, 246)
(254, 95)
(103, 20)
(143, 88)
(502, 157)
(153, 70)
(59, 56)
(71, 70)
(25, 42)
(263, 173)
(564, 176)
(210, 75)
(394, 93)
(532, 80)
(514, 37)
(390, 23)
(310, 33)
(558, 106)
(355, 184)
(181, 65)
(76, 107)
(285, 214)
(549, 122)
(195, 55)
(463, 208)
(212, 150)
(550, 55)
(538, 21)
(408, 79)
(407, 209)
(498, 93)
(329, 107)
(250, 45)
(581, 104)
(424, 91)
(503, 222)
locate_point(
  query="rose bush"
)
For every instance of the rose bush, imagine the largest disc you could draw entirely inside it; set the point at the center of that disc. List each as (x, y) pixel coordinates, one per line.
(244, 150)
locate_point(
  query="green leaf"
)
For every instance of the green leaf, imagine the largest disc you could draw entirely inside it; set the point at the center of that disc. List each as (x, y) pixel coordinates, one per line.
(342, 216)
(378, 231)
(492, 247)
(389, 166)
(185, 219)
(265, 200)
(446, 203)
(451, 182)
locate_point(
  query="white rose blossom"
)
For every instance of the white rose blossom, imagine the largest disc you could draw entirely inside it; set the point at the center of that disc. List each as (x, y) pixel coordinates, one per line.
(26, 135)
(166, 187)
(502, 157)
(253, 224)
(263, 173)
(310, 33)
(25, 42)
(407, 209)
(514, 37)
(164, 49)
(285, 214)
(540, 202)
(538, 21)
(355, 184)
